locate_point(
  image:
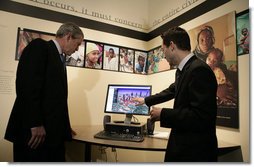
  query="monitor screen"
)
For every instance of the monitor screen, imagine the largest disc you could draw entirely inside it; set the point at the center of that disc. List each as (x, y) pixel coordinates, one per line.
(119, 97)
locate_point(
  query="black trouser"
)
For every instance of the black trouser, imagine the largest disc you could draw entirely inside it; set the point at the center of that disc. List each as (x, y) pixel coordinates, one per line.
(44, 153)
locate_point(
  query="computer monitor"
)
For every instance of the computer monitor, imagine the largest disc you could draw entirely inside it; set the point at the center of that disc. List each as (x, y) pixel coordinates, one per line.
(118, 100)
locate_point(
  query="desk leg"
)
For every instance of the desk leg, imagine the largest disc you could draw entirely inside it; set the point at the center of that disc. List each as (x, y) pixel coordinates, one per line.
(87, 152)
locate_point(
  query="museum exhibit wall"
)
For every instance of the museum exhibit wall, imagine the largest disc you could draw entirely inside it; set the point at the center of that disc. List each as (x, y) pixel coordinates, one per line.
(241, 135)
(87, 87)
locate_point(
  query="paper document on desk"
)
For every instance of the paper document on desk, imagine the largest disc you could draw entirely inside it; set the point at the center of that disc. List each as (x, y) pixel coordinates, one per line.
(161, 135)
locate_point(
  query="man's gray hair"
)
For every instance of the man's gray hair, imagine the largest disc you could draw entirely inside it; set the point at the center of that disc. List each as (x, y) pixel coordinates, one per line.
(71, 28)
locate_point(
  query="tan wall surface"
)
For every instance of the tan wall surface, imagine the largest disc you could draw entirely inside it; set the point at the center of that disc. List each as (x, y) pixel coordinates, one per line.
(87, 87)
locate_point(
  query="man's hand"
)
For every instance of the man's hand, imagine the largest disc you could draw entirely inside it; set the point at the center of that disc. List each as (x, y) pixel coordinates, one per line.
(155, 114)
(139, 101)
(38, 137)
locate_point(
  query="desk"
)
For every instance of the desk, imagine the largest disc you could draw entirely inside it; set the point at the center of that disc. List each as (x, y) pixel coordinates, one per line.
(85, 134)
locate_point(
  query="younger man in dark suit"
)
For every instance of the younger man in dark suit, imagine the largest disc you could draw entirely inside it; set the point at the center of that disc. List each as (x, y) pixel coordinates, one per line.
(39, 122)
(192, 119)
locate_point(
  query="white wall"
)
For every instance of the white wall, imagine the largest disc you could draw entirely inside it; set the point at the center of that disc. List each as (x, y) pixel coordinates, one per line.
(87, 87)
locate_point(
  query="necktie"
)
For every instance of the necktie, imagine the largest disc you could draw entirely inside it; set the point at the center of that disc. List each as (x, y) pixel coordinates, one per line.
(63, 61)
(177, 78)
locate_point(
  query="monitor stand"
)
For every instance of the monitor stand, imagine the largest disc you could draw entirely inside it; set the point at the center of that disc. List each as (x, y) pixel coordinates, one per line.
(127, 120)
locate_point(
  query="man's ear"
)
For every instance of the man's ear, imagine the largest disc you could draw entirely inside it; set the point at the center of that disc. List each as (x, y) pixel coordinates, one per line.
(172, 45)
(68, 36)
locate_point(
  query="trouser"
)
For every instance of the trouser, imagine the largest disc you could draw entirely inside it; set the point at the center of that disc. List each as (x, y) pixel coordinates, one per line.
(43, 153)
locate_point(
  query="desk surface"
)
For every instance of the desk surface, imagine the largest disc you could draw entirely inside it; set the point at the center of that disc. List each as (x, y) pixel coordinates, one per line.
(86, 134)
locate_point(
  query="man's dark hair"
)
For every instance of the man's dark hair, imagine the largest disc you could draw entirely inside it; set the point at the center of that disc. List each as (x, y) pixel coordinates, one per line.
(179, 36)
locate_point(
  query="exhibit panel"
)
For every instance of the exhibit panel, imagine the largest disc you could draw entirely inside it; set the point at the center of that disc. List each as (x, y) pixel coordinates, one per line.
(86, 84)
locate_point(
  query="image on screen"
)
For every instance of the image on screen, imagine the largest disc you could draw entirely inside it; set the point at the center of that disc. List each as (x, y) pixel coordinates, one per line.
(119, 99)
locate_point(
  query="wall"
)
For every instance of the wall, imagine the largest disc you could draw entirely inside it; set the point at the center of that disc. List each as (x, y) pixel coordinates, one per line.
(87, 87)
(242, 135)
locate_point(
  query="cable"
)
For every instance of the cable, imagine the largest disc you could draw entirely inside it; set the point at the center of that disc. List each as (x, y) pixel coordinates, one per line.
(115, 153)
(103, 151)
(135, 118)
(116, 157)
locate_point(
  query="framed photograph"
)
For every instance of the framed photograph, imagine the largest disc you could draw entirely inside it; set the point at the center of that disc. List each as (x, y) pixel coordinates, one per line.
(140, 58)
(25, 36)
(76, 59)
(126, 60)
(243, 32)
(111, 58)
(215, 43)
(157, 61)
(93, 55)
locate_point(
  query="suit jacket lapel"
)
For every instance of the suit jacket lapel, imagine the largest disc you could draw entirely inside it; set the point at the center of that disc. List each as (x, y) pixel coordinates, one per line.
(58, 62)
(183, 73)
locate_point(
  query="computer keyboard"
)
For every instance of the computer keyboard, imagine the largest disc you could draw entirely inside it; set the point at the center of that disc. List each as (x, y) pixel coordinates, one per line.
(120, 137)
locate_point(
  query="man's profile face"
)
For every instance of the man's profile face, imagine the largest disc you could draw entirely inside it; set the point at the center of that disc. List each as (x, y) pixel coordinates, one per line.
(166, 51)
(71, 44)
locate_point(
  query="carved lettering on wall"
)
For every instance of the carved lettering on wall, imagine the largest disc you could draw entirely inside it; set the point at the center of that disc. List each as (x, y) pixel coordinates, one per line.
(186, 5)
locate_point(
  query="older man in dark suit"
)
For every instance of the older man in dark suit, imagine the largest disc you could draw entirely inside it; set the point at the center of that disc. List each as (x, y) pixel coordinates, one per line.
(39, 122)
(193, 117)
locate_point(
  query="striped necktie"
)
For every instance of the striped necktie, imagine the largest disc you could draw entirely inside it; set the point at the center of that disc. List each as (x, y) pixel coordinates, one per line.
(63, 61)
(62, 58)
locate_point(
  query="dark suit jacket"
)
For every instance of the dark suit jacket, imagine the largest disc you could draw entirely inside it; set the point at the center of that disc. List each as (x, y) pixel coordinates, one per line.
(193, 117)
(41, 88)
